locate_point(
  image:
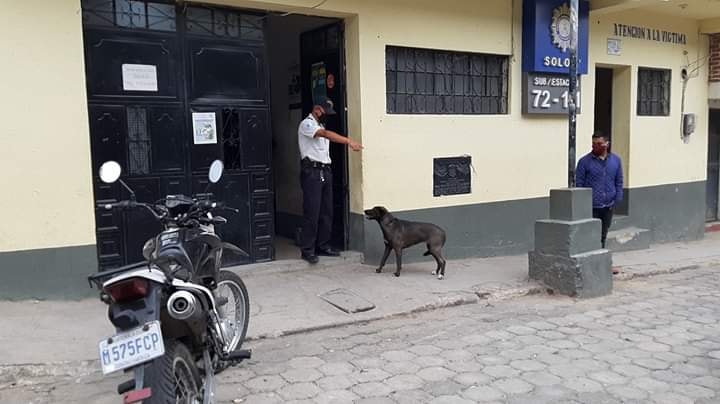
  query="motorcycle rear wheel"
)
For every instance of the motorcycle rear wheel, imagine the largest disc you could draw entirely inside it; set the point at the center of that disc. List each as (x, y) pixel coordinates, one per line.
(235, 314)
(173, 377)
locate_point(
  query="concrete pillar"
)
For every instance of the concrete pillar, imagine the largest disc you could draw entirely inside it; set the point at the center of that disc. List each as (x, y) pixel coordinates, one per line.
(568, 255)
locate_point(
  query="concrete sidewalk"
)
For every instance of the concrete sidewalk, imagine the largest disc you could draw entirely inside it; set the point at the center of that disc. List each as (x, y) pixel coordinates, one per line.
(285, 298)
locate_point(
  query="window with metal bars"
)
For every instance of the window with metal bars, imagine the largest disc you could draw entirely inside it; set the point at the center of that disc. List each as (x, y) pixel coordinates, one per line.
(653, 96)
(224, 23)
(425, 81)
(138, 141)
(132, 14)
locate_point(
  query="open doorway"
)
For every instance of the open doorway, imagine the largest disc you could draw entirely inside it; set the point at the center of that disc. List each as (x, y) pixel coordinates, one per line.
(603, 101)
(713, 167)
(306, 60)
(612, 116)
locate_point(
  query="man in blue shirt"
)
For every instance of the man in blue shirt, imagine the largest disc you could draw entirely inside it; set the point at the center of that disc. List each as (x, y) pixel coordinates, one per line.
(602, 171)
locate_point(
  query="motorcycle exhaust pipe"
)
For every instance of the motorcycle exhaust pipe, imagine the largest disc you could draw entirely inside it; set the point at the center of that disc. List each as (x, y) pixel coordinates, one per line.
(182, 305)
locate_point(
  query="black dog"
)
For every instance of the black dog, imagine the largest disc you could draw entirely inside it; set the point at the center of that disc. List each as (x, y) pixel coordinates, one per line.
(400, 234)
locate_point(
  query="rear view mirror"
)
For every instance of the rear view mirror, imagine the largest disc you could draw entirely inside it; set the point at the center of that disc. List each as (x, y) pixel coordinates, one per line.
(216, 171)
(110, 172)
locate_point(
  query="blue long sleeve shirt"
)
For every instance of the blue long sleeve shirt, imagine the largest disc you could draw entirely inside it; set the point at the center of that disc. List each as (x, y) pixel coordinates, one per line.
(605, 177)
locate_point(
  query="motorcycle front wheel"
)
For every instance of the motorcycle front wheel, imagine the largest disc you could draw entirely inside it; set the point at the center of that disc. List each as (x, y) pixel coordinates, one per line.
(173, 377)
(235, 313)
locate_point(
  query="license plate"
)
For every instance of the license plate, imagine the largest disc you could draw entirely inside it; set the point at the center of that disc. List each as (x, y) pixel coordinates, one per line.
(131, 348)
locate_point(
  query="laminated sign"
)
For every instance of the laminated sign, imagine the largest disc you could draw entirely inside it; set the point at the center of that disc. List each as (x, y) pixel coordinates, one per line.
(139, 77)
(204, 128)
(318, 76)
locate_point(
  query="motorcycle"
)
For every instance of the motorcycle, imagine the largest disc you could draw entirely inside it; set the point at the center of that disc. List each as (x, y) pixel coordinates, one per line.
(179, 318)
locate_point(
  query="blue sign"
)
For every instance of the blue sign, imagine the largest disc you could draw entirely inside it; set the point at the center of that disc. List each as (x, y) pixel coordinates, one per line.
(546, 36)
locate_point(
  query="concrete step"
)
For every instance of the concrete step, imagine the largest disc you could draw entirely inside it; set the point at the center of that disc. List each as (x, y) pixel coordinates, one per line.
(297, 264)
(628, 239)
(711, 227)
(620, 221)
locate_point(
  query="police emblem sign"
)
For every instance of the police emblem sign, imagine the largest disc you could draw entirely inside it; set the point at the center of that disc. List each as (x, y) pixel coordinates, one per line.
(547, 27)
(547, 36)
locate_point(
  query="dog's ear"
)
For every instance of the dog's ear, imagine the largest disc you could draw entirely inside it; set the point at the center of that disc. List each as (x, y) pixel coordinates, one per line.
(382, 210)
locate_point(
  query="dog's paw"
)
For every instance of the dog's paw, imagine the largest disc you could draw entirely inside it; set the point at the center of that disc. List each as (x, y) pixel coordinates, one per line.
(377, 271)
(433, 272)
(441, 276)
(397, 274)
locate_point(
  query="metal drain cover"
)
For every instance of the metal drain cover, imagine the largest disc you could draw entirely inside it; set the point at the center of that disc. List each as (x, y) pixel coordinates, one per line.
(347, 301)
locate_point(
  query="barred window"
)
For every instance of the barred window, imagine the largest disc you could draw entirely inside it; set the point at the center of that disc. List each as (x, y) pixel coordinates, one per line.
(653, 96)
(139, 145)
(132, 14)
(224, 23)
(424, 81)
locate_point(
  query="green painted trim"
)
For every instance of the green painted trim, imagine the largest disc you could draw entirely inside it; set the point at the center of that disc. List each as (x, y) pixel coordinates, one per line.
(357, 232)
(50, 273)
(481, 230)
(673, 212)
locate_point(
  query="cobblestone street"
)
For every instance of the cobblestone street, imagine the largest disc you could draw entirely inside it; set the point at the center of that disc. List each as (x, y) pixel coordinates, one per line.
(654, 340)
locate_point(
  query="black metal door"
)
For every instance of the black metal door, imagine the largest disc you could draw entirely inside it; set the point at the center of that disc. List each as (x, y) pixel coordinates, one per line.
(713, 167)
(322, 62)
(156, 72)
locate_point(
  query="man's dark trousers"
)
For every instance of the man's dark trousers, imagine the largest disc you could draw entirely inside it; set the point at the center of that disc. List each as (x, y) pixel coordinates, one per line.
(605, 215)
(316, 184)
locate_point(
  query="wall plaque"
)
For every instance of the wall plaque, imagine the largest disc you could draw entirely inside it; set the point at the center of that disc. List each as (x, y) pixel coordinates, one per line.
(614, 47)
(451, 175)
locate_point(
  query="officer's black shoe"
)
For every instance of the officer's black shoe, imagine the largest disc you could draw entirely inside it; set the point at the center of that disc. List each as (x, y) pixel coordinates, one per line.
(311, 259)
(327, 252)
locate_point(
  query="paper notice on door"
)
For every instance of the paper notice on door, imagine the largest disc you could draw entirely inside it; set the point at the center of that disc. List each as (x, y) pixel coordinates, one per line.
(318, 86)
(204, 128)
(139, 77)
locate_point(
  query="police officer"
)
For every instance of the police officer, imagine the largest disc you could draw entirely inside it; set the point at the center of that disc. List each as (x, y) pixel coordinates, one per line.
(316, 180)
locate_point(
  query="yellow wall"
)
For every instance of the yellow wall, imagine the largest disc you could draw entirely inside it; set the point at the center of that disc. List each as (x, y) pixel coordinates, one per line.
(514, 156)
(658, 155)
(45, 177)
(45, 155)
(510, 155)
(399, 149)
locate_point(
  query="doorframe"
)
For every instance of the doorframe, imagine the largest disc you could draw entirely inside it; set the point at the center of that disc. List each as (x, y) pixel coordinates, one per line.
(346, 168)
(341, 24)
(612, 112)
(621, 113)
(712, 109)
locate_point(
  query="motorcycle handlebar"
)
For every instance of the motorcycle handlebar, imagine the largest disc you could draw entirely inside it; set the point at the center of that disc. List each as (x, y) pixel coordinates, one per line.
(222, 206)
(116, 205)
(206, 205)
(129, 205)
(202, 204)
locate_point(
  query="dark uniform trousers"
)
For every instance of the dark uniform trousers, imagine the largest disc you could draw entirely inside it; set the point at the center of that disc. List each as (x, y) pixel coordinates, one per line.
(316, 182)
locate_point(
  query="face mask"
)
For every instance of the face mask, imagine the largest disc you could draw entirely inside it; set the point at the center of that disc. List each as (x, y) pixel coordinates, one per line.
(599, 149)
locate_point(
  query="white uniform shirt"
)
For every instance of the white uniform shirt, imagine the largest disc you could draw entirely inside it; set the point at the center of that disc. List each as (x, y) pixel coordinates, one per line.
(314, 148)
